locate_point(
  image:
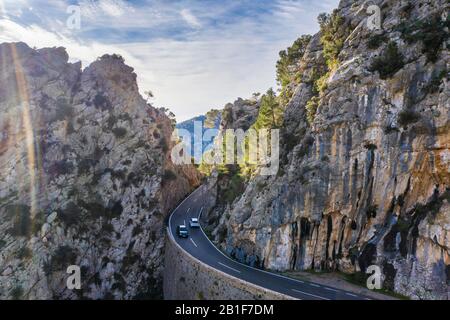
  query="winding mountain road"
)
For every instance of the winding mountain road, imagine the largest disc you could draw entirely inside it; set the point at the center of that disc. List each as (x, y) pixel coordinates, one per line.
(199, 246)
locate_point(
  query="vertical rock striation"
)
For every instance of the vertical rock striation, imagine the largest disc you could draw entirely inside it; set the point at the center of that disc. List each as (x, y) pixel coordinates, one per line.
(365, 175)
(85, 174)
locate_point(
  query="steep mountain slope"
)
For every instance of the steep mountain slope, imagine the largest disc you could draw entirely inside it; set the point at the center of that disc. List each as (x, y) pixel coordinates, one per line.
(85, 178)
(365, 174)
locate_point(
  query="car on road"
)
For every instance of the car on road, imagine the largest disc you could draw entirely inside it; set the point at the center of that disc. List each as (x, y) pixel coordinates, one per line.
(194, 223)
(182, 231)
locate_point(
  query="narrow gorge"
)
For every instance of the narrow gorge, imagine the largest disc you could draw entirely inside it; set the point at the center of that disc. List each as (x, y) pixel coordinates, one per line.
(87, 176)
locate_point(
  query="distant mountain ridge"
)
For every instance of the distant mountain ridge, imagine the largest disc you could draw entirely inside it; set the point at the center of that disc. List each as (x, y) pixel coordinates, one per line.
(211, 120)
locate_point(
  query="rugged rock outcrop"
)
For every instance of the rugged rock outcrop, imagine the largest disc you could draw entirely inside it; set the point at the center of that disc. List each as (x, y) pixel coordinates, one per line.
(365, 175)
(223, 188)
(240, 115)
(86, 178)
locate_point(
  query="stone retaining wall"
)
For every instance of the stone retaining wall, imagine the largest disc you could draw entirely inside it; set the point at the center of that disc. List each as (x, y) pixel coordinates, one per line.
(186, 278)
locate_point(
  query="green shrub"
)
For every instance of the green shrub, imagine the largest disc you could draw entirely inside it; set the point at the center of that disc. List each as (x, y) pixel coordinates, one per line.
(234, 188)
(61, 167)
(389, 129)
(287, 72)
(120, 283)
(111, 122)
(63, 257)
(107, 227)
(200, 295)
(38, 221)
(125, 117)
(169, 175)
(71, 214)
(390, 61)
(311, 109)
(334, 30)
(119, 174)
(370, 146)
(270, 113)
(406, 117)
(290, 140)
(21, 220)
(376, 41)
(163, 144)
(119, 132)
(403, 225)
(405, 11)
(431, 32)
(97, 210)
(63, 110)
(435, 82)
(372, 211)
(307, 142)
(116, 209)
(85, 165)
(24, 253)
(137, 230)
(17, 293)
(102, 102)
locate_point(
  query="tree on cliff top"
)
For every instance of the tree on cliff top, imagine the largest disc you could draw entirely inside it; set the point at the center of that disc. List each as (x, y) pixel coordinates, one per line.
(270, 113)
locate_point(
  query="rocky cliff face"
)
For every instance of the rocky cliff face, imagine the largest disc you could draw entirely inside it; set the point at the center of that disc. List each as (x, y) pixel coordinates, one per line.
(365, 175)
(223, 187)
(85, 178)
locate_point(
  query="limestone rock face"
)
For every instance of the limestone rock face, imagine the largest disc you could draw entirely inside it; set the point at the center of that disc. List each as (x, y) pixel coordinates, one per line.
(239, 115)
(84, 179)
(368, 181)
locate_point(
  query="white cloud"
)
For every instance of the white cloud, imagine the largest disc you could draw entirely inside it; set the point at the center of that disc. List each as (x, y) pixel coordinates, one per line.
(109, 8)
(2, 9)
(192, 20)
(190, 74)
(35, 36)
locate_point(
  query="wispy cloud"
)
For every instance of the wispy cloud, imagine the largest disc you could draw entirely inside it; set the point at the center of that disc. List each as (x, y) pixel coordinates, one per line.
(187, 15)
(110, 8)
(194, 55)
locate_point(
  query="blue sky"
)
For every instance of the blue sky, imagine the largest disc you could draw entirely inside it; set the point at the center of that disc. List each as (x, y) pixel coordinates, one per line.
(193, 55)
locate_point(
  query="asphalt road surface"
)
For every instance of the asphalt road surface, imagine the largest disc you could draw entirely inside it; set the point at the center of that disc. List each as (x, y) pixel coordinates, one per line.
(199, 246)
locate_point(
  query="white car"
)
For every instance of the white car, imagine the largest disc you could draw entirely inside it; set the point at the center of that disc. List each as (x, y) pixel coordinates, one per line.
(194, 223)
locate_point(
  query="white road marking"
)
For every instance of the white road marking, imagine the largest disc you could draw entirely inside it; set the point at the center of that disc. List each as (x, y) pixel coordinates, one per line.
(310, 294)
(314, 285)
(351, 294)
(188, 210)
(244, 265)
(194, 243)
(224, 265)
(184, 221)
(170, 218)
(192, 196)
(331, 289)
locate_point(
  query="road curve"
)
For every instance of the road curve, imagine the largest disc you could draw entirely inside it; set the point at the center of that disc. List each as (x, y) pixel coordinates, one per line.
(199, 246)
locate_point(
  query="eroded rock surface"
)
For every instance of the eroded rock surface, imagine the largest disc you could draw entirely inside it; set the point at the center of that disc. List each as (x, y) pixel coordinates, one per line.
(85, 180)
(368, 181)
